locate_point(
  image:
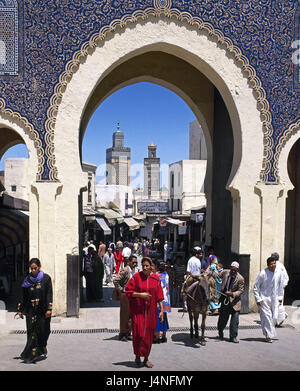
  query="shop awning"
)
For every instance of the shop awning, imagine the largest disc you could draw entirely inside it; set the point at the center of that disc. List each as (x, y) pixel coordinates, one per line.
(140, 217)
(89, 212)
(111, 215)
(174, 221)
(132, 224)
(102, 224)
(197, 208)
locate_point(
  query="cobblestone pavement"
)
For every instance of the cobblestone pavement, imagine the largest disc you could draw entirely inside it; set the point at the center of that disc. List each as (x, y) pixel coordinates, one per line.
(90, 343)
(104, 352)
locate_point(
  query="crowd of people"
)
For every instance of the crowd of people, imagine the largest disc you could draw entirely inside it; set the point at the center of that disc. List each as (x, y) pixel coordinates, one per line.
(175, 276)
(148, 288)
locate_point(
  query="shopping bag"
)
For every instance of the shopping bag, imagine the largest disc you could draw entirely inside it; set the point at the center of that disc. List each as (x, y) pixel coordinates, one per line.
(282, 315)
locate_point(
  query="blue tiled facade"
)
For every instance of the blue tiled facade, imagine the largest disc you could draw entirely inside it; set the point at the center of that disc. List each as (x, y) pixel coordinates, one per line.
(51, 31)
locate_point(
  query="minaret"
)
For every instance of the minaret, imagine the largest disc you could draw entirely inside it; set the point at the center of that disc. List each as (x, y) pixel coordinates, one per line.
(152, 174)
(118, 161)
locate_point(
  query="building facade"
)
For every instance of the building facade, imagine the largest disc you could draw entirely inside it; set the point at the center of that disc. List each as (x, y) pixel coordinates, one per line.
(89, 196)
(15, 178)
(186, 184)
(119, 196)
(197, 144)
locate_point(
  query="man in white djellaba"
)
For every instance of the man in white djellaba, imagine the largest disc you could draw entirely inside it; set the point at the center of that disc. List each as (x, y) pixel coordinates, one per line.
(108, 262)
(268, 292)
(280, 267)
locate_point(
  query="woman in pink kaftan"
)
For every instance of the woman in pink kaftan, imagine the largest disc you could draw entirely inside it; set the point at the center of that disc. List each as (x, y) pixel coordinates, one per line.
(144, 293)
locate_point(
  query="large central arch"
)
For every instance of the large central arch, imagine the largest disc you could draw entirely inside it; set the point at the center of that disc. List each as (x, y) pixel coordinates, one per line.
(155, 50)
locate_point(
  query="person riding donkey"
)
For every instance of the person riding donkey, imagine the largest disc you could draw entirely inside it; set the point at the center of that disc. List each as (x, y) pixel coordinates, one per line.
(195, 267)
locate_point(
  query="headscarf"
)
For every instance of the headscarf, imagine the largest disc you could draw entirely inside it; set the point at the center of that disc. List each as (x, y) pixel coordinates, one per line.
(30, 280)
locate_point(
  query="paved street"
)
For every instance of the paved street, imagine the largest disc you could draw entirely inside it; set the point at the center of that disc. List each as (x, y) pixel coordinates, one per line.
(90, 343)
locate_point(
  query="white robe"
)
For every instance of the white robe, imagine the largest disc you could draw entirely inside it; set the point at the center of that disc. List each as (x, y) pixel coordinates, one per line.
(280, 267)
(269, 289)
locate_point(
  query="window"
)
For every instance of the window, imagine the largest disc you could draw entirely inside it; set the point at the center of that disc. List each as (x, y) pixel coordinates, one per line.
(89, 192)
(14, 188)
(172, 180)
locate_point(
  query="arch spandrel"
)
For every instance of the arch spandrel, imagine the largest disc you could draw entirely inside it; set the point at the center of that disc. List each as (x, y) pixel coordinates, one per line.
(232, 52)
(94, 69)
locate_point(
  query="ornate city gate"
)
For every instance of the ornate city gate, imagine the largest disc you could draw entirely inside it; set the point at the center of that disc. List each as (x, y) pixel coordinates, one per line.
(233, 62)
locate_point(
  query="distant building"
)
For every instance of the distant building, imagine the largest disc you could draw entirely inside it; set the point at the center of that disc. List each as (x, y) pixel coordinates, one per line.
(115, 196)
(15, 178)
(197, 150)
(152, 174)
(118, 161)
(186, 185)
(89, 196)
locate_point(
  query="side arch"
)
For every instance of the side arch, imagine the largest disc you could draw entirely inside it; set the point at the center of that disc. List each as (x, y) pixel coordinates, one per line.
(292, 134)
(26, 132)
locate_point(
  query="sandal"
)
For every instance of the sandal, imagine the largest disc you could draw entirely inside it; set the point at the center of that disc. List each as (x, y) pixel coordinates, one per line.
(148, 364)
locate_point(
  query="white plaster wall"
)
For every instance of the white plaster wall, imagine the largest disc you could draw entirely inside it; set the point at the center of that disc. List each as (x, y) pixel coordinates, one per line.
(89, 171)
(193, 175)
(15, 174)
(204, 54)
(189, 178)
(116, 194)
(175, 169)
(197, 144)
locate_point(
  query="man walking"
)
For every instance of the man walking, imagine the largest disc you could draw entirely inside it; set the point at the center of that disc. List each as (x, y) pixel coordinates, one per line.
(108, 261)
(101, 250)
(268, 292)
(166, 251)
(233, 285)
(280, 267)
(120, 282)
(126, 252)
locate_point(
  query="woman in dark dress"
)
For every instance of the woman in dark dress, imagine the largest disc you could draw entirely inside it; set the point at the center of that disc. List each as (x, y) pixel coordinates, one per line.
(36, 305)
(98, 270)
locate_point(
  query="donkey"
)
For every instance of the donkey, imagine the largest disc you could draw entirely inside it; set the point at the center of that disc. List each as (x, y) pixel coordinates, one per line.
(198, 298)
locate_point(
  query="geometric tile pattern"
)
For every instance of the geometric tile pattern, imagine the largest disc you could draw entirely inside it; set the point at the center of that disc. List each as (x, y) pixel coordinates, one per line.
(53, 31)
(296, 53)
(8, 37)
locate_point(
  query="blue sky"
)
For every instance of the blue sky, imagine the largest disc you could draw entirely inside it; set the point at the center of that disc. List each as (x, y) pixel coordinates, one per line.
(147, 113)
